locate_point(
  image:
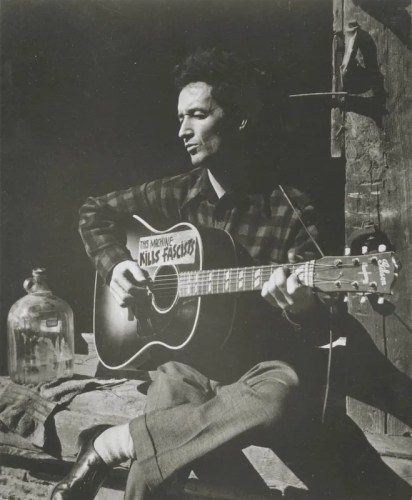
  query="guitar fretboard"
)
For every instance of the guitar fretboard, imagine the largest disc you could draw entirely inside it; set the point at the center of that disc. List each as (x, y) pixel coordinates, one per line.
(234, 280)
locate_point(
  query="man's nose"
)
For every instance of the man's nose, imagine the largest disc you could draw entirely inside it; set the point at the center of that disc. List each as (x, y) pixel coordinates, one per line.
(185, 129)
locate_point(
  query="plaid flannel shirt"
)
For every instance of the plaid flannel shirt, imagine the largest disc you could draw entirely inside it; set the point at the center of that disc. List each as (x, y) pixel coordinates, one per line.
(263, 223)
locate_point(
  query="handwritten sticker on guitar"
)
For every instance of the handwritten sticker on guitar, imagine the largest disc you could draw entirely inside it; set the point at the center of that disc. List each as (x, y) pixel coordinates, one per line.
(171, 249)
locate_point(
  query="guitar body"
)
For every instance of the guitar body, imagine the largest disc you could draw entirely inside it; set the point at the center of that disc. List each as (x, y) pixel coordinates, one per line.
(163, 323)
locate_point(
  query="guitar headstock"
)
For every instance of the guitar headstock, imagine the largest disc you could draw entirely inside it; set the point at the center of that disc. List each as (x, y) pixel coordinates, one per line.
(362, 274)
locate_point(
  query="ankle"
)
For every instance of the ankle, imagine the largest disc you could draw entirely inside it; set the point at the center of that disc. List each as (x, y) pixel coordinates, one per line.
(115, 445)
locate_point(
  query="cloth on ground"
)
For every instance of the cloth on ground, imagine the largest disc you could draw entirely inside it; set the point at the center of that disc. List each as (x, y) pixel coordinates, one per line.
(25, 409)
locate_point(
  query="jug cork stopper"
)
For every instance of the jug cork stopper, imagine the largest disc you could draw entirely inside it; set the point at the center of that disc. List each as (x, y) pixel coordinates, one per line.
(39, 271)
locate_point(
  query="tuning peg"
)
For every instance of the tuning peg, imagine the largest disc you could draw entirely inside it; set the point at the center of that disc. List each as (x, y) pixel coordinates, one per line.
(363, 299)
(381, 300)
(382, 248)
(364, 249)
(373, 285)
(347, 250)
(346, 298)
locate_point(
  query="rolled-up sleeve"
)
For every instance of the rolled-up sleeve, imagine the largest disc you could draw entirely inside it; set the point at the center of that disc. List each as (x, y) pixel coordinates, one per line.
(103, 219)
(102, 226)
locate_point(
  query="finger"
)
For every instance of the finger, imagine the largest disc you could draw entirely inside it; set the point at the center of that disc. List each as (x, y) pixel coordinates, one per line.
(115, 294)
(278, 282)
(293, 284)
(308, 256)
(136, 273)
(123, 297)
(275, 291)
(118, 293)
(129, 287)
(294, 257)
(283, 300)
(130, 271)
(268, 296)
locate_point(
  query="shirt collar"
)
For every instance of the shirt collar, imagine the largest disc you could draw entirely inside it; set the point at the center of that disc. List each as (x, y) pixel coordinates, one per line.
(201, 187)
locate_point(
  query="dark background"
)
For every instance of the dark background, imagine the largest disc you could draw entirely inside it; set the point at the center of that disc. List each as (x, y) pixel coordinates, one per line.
(88, 106)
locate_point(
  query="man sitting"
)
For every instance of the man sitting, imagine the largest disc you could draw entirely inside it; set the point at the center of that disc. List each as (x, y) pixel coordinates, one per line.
(200, 413)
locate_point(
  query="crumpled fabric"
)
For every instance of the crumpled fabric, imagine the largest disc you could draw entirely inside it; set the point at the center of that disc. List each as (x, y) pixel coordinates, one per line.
(25, 409)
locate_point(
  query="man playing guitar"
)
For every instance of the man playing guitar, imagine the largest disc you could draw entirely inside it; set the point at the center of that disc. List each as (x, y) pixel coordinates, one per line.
(196, 420)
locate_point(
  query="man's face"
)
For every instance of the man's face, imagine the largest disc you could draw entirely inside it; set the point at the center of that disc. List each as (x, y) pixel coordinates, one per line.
(203, 126)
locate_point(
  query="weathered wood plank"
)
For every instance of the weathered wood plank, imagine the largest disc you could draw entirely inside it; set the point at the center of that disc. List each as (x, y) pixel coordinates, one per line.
(337, 144)
(367, 417)
(198, 490)
(23, 472)
(396, 197)
(17, 483)
(378, 190)
(338, 15)
(271, 468)
(391, 446)
(401, 466)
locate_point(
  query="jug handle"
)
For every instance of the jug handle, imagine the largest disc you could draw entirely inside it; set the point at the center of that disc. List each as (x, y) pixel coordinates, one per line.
(28, 284)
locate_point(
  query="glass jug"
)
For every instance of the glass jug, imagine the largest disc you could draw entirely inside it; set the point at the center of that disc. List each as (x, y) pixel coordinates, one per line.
(40, 334)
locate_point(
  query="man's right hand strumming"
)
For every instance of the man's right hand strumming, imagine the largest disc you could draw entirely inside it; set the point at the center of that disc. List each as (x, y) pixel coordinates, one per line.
(128, 282)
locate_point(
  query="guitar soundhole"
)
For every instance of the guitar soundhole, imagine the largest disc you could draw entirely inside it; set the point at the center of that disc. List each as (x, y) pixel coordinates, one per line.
(164, 288)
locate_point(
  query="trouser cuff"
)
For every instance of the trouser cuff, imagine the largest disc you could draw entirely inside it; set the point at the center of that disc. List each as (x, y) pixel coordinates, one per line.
(145, 451)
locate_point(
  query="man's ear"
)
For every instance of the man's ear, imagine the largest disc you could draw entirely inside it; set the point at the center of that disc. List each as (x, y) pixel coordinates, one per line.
(243, 124)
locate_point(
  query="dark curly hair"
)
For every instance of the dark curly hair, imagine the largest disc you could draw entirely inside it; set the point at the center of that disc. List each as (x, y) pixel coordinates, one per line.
(239, 86)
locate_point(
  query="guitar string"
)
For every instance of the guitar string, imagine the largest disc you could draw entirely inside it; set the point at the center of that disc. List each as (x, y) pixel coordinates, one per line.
(220, 281)
(166, 282)
(249, 270)
(232, 275)
(267, 267)
(188, 281)
(204, 277)
(171, 291)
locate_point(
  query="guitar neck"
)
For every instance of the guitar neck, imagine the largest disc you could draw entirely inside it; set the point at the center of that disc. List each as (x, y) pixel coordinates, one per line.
(234, 280)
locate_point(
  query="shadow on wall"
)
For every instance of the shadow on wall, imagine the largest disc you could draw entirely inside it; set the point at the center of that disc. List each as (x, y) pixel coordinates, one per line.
(392, 14)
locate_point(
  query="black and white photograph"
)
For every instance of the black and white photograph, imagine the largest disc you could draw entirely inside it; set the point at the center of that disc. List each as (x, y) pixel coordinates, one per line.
(206, 250)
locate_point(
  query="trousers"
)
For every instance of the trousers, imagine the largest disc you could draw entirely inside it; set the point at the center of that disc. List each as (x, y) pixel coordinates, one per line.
(188, 417)
(194, 423)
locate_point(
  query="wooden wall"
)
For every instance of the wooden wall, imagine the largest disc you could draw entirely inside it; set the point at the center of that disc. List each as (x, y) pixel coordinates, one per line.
(378, 150)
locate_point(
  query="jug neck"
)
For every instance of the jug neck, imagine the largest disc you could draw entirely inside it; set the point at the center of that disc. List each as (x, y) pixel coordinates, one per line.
(37, 284)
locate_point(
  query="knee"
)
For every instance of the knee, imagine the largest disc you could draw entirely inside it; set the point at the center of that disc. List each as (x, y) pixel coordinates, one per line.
(169, 376)
(275, 391)
(275, 406)
(175, 371)
(176, 383)
(172, 368)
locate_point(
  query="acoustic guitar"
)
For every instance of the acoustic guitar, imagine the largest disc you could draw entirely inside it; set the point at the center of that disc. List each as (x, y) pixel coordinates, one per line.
(195, 279)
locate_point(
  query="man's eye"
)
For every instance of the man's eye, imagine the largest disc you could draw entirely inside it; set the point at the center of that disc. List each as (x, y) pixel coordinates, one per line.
(199, 115)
